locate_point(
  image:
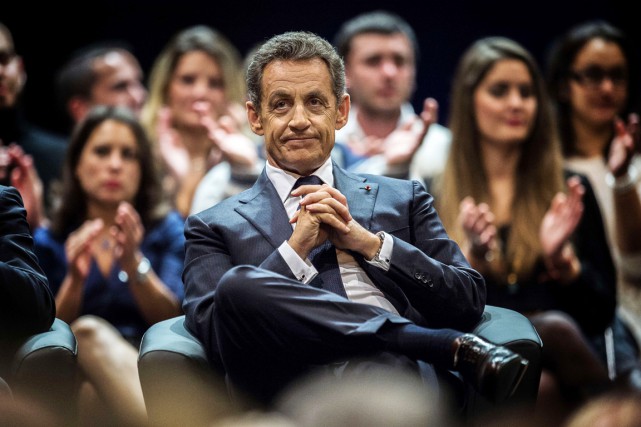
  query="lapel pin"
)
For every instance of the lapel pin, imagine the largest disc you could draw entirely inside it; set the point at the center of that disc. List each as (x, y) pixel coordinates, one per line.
(367, 188)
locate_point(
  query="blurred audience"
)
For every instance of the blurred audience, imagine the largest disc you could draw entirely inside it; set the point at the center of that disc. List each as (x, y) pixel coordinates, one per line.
(531, 228)
(113, 256)
(610, 410)
(381, 52)
(380, 397)
(103, 73)
(37, 163)
(196, 118)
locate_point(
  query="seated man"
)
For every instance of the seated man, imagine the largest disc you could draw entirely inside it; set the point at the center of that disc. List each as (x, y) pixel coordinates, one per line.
(367, 271)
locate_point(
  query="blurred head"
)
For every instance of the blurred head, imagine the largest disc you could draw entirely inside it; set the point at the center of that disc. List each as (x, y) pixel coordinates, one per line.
(198, 68)
(380, 51)
(591, 77)
(365, 396)
(12, 74)
(296, 87)
(109, 160)
(101, 75)
(498, 94)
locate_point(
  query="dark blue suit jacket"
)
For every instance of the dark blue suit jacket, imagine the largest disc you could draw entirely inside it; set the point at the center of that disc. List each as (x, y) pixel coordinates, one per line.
(429, 281)
(26, 302)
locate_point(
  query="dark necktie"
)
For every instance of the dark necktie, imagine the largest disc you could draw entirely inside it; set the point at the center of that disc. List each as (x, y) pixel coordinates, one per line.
(323, 257)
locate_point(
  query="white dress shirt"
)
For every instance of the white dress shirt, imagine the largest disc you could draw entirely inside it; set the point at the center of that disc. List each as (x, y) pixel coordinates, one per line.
(358, 286)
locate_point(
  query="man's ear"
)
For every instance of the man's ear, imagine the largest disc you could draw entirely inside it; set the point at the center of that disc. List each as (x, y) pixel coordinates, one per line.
(78, 108)
(343, 112)
(254, 119)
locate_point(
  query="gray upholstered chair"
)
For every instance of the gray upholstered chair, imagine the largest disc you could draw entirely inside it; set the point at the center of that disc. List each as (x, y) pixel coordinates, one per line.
(43, 371)
(178, 383)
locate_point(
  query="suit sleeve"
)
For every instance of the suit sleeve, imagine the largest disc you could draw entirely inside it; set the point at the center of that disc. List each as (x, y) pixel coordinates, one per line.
(26, 302)
(432, 271)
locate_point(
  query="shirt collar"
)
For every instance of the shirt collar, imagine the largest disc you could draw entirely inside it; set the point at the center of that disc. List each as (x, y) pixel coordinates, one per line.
(283, 180)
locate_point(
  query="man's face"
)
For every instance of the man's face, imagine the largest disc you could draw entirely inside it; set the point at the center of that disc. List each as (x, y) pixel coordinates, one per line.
(11, 72)
(119, 82)
(298, 116)
(380, 71)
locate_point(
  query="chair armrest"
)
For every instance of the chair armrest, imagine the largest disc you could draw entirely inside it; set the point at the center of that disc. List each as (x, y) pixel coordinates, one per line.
(513, 330)
(178, 384)
(58, 338)
(171, 336)
(44, 370)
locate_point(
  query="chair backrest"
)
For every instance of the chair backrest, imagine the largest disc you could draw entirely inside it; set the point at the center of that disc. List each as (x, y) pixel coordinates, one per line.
(44, 371)
(179, 386)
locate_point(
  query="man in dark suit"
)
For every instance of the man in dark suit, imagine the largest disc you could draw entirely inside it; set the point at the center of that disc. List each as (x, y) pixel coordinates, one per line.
(27, 306)
(264, 290)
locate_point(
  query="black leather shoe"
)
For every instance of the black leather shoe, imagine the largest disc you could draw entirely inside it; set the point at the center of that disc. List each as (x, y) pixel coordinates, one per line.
(494, 371)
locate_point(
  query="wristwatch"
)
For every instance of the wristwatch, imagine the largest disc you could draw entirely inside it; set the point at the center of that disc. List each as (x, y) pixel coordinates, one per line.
(142, 272)
(377, 257)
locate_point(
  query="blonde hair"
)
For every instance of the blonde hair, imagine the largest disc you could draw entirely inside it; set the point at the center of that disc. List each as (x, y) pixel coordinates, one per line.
(198, 38)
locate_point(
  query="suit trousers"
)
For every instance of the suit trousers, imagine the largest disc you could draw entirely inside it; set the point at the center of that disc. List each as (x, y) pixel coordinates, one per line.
(271, 329)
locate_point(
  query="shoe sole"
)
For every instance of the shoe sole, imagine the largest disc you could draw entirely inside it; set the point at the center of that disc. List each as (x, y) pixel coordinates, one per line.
(507, 379)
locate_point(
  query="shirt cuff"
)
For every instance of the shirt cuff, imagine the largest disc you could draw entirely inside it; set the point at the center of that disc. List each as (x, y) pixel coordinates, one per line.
(303, 270)
(384, 258)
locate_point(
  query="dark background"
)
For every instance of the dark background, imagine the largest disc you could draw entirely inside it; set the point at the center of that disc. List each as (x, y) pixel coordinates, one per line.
(45, 35)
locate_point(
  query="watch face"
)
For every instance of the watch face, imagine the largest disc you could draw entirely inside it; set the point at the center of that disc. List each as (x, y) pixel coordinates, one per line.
(144, 266)
(143, 269)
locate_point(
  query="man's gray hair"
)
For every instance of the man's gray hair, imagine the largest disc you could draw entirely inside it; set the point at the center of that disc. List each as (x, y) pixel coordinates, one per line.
(294, 46)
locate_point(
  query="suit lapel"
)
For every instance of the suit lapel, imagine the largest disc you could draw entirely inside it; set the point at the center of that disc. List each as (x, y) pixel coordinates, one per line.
(263, 208)
(360, 194)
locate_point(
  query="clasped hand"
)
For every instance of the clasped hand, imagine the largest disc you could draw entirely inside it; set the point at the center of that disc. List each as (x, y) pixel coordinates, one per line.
(324, 214)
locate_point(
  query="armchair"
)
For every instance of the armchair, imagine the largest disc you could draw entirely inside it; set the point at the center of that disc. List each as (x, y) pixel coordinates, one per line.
(172, 359)
(43, 371)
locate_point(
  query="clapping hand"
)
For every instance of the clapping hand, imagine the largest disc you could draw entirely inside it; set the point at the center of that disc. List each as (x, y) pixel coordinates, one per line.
(128, 233)
(78, 248)
(477, 221)
(557, 226)
(229, 142)
(172, 150)
(25, 178)
(401, 145)
(624, 145)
